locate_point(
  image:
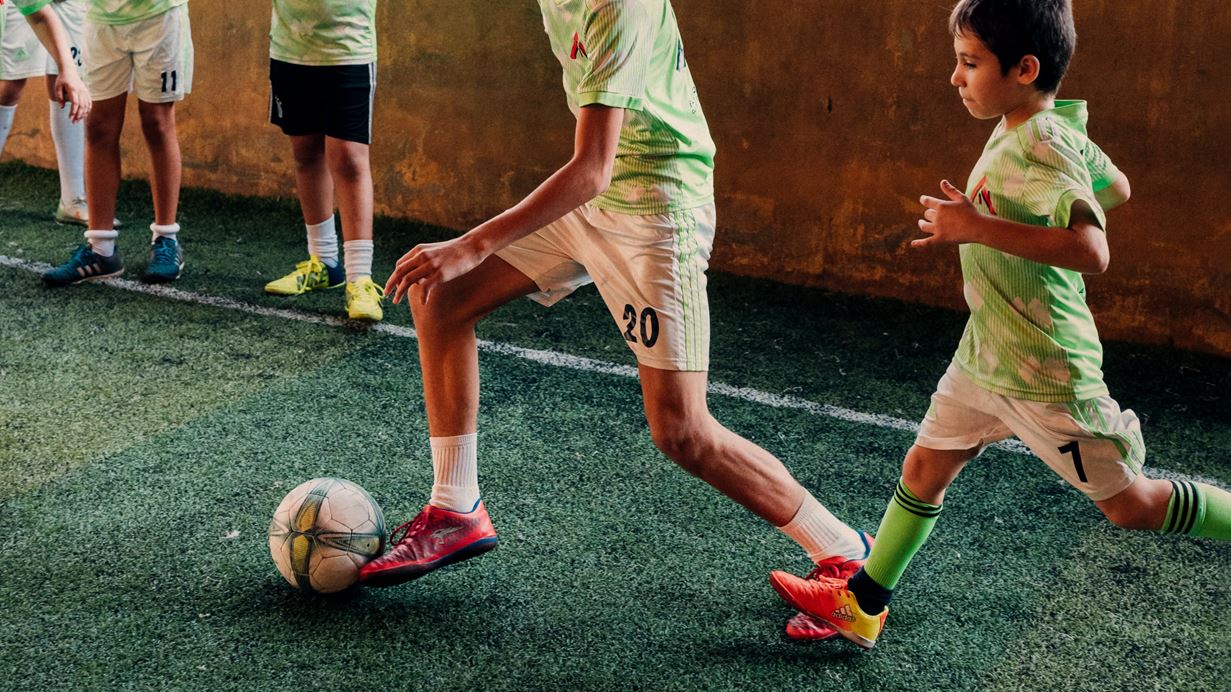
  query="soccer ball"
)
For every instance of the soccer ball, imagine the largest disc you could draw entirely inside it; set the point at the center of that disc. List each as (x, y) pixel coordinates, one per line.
(323, 532)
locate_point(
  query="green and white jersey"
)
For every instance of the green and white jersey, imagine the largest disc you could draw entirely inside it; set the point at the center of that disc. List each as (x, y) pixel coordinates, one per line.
(628, 54)
(323, 32)
(26, 7)
(1030, 334)
(128, 11)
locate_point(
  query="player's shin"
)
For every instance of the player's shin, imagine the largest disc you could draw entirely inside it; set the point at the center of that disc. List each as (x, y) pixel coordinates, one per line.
(1197, 509)
(905, 528)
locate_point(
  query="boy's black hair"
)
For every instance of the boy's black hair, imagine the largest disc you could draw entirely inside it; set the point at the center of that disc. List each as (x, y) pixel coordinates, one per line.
(1013, 29)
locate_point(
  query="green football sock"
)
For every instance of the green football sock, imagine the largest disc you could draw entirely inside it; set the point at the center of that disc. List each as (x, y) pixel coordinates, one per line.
(1197, 509)
(905, 528)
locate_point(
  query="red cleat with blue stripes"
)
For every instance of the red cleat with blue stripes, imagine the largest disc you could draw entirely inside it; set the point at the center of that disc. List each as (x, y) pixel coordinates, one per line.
(435, 538)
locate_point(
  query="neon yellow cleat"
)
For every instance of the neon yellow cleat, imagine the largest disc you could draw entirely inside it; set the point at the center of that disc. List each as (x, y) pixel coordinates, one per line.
(309, 275)
(829, 600)
(363, 299)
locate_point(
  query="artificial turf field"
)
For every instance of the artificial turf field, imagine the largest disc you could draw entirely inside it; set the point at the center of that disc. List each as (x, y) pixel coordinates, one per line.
(145, 441)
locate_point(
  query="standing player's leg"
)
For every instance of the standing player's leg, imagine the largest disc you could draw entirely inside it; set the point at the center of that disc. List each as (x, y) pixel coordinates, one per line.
(454, 525)
(352, 177)
(69, 136)
(10, 95)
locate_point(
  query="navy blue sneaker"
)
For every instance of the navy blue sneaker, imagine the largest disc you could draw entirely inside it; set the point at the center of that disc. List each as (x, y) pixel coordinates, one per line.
(166, 260)
(84, 265)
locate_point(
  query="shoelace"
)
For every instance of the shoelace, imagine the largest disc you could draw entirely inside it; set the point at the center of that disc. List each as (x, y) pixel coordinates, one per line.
(164, 251)
(402, 532)
(829, 569)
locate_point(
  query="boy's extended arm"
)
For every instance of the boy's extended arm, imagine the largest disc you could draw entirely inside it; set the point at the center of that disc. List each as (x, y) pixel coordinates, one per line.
(69, 86)
(1081, 247)
(580, 180)
(1115, 194)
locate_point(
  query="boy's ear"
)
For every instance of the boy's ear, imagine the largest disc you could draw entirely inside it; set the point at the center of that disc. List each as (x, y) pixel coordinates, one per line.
(1028, 70)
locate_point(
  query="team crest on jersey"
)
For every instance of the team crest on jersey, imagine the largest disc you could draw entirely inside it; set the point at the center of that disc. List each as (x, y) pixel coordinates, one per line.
(578, 48)
(982, 197)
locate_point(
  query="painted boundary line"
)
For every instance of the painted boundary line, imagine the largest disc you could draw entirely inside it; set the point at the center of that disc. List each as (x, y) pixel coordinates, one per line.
(552, 358)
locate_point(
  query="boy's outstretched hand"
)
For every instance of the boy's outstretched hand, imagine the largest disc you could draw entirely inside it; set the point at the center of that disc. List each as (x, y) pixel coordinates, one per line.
(432, 264)
(954, 220)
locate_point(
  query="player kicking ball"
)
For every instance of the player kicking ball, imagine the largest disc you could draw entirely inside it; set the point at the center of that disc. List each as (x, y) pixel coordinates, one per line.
(22, 57)
(143, 46)
(322, 75)
(1029, 363)
(632, 212)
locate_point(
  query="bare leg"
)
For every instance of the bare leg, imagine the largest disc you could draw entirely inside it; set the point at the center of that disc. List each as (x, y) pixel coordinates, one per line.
(312, 181)
(929, 472)
(10, 91)
(158, 126)
(448, 349)
(1141, 506)
(352, 178)
(682, 427)
(102, 160)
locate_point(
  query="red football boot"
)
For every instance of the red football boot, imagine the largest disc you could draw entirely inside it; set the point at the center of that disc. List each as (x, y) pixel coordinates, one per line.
(435, 538)
(803, 626)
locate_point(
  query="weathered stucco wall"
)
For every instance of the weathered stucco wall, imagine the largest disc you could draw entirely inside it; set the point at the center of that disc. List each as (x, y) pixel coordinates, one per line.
(831, 117)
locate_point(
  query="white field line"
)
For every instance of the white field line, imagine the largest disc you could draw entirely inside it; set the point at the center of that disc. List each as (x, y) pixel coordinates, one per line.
(552, 358)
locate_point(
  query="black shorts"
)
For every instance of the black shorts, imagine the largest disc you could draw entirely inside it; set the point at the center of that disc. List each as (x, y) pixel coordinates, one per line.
(332, 100)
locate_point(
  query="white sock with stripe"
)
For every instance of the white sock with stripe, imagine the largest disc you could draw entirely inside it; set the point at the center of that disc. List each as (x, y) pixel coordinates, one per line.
(358, 258)
(102, 242)
(456, 467)
(69, 138)
(7, 113)
(323, 241)
(821, 534)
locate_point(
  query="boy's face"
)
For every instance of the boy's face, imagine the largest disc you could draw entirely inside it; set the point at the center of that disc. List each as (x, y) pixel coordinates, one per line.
(985, 90)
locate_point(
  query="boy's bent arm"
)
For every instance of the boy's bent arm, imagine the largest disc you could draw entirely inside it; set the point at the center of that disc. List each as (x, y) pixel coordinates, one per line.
(69, 86)
(1115, 194)
(584, 177)
(1082, 247)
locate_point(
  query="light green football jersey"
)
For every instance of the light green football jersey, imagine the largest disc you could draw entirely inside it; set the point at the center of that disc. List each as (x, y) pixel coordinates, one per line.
(128, 11)
(26, 7)
(1030, 333)
(628, 54)
(323, 32)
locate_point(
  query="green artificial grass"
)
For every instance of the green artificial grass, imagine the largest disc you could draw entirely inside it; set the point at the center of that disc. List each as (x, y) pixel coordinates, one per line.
(138, 434)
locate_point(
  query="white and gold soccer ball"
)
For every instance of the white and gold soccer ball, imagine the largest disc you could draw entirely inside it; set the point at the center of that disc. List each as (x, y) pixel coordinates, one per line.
(323, 532)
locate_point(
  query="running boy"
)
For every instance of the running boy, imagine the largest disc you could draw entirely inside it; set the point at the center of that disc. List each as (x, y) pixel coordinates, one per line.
(632, 212)
(22, 57)
(144, 46)
(322, 75)
(1030, 224)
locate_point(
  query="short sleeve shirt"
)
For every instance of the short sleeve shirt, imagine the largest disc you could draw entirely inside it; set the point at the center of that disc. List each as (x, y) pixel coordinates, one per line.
(323, 32)
(128, 11)
(628, 54)
(1030, 334)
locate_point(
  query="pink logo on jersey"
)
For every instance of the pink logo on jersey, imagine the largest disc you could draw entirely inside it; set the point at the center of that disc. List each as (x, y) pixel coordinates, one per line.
(982, 195)
(578, 47)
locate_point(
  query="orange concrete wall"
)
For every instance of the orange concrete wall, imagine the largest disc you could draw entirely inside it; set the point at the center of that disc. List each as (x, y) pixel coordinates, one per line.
(831, 117)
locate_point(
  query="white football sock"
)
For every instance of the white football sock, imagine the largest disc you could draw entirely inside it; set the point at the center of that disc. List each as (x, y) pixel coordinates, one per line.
(170, 231)
(69, 138)
(821, 534)
(7, 113)
(323, 241)
(358, 258)
(456, 467)
(102, 242)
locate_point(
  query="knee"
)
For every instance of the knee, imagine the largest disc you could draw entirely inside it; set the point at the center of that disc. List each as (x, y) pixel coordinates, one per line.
(10, 91)
(348, 165)
(444, 312)
(101, 132)
(689, 446)
(158, 130)
(309, 157)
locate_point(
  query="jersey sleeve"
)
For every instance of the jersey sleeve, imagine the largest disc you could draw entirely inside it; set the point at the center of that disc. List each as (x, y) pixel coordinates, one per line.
(1102, 171)
(29, 7)
(618, 40)
(1057, 176)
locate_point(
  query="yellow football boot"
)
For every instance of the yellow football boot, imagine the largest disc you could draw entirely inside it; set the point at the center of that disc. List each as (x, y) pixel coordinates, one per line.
(309, 275)
(363, 299)
(831, 601)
